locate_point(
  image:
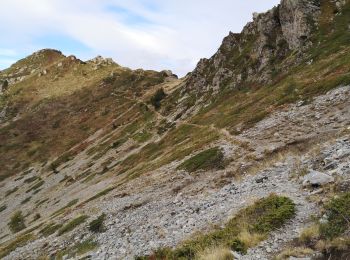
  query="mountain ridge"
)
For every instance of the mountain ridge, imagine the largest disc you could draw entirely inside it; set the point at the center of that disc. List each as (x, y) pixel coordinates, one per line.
(106, 162)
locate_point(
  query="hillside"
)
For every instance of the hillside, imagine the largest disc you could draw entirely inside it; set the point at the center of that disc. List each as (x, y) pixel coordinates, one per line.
(247, 157)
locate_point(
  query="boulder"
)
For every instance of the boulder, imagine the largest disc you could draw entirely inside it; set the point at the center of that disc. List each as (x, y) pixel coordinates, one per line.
(316, 179)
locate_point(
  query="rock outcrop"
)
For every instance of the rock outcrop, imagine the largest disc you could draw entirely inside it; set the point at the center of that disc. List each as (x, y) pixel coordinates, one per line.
(249, 57)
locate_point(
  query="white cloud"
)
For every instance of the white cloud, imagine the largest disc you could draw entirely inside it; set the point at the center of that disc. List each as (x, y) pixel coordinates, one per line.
(156, 34)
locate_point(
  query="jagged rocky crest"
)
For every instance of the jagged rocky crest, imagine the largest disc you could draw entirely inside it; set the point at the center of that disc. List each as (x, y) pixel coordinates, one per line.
(261, 49)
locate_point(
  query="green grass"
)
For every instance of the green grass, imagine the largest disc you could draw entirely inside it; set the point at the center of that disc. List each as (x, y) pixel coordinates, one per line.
(16, 223)
(338, 212)
(72, 224)
(14, 244)
(50, 229)
(100, 194)
(175, 145)
(36, 186)
(212, 158)
(142, 137)
(32, 140)
(77, 249)
(257, 221)
(61, 210)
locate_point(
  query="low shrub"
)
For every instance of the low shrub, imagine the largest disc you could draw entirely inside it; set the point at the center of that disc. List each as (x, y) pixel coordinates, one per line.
(3, 207)
(16, 223)
(97, 225)
(157, 98)
(338, 217)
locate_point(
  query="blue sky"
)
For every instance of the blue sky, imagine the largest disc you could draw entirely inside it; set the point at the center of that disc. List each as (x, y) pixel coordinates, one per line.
(150, 34)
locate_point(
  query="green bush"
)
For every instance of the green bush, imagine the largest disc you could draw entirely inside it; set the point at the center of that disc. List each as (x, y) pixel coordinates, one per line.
(157, 98)
(338, 216)
(97, 225)
(16, 223)
(72, 224)
(210, 159)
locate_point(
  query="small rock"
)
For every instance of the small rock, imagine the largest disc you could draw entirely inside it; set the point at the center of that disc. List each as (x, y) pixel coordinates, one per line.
(261, 180)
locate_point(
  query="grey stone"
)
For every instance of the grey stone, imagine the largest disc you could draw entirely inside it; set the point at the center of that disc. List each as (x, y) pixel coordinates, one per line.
(315, 178)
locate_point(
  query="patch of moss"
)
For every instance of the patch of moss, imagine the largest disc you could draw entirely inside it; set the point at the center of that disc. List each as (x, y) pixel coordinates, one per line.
(72, 224)
(257, 220)
(212, 158)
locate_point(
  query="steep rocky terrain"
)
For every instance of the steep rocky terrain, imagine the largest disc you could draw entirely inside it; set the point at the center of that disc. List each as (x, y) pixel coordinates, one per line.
(249, 154)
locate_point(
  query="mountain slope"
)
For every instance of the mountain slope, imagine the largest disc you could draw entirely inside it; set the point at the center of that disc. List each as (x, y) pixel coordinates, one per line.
(153, 159)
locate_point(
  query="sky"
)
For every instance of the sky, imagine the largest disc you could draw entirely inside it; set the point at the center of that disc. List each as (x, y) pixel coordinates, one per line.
(149, 34)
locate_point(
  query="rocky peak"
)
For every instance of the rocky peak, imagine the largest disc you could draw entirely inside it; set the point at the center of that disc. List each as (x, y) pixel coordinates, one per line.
(250, 56)
(34, 63)
(100, 61)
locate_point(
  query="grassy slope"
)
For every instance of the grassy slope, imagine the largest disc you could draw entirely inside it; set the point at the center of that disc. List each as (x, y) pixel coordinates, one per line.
(70, 102)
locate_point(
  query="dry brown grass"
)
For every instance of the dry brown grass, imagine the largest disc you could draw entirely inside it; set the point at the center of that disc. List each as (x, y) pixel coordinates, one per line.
(250, 239)
(295, 252)
(310, 233)
(216, 253)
